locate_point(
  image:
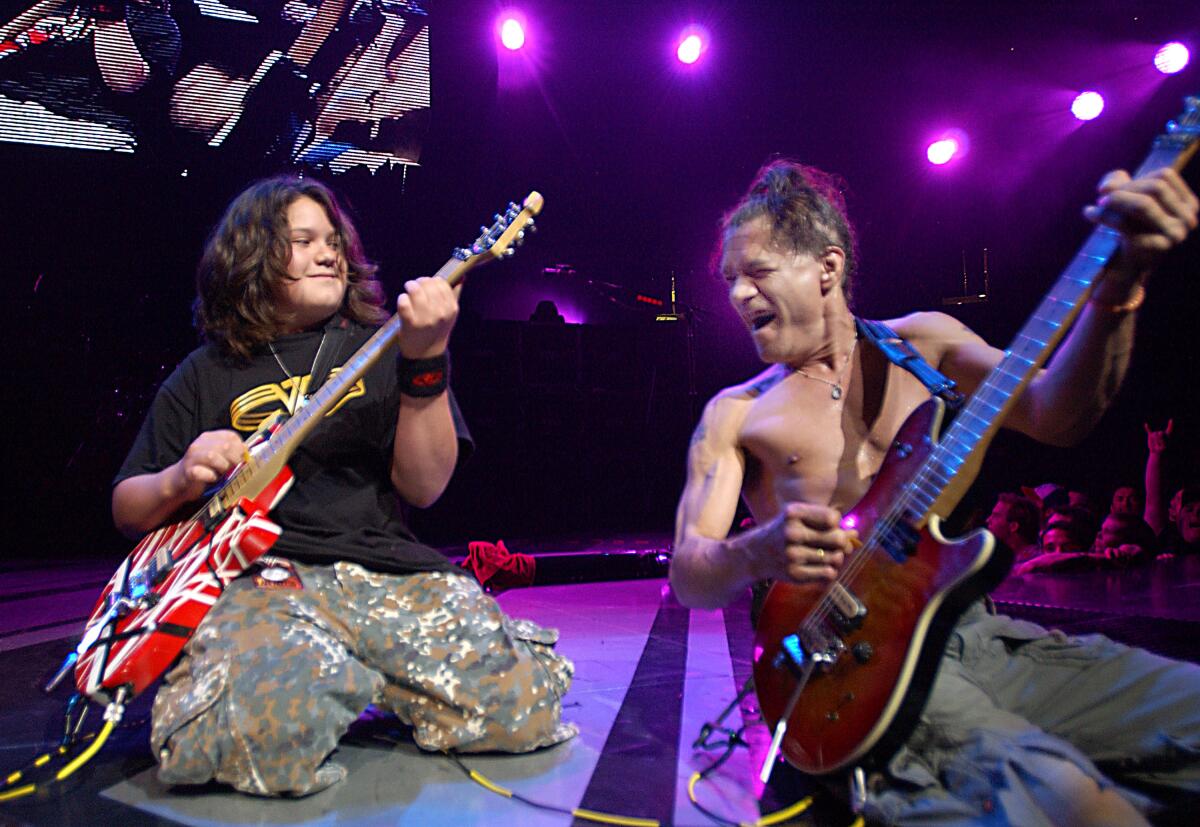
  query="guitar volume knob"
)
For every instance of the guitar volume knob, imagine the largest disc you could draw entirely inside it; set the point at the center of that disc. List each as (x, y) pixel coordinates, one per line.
(862, 651)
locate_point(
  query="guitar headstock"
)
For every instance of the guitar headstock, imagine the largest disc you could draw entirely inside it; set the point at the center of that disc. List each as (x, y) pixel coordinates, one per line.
(1183, 134)
(500, 240)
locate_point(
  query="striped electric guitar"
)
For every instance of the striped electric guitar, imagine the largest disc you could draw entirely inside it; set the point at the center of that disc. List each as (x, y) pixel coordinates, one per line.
(843, 671)
(164, 588)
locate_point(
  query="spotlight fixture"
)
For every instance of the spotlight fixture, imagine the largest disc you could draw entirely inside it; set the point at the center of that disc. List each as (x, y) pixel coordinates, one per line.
(689, 49)
(1171, 58)
(512, 31)
(942, 151)
(1087, 106)
(691, 45)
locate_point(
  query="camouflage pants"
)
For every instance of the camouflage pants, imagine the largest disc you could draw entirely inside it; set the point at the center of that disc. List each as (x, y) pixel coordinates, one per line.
(273, 677)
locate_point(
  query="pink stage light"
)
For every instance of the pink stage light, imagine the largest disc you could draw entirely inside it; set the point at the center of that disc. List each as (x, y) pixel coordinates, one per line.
(512, 32)
(692, 44)
(689, 49)
(1087, 106)
(1171, 58)
(942, 151)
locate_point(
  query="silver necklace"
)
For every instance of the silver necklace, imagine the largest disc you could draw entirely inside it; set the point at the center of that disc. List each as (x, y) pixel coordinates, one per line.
(837, 390)
(303, 400)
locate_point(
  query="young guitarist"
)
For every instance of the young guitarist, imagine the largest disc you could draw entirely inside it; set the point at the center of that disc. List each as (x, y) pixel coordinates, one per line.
(349, 609)
(1022, 726)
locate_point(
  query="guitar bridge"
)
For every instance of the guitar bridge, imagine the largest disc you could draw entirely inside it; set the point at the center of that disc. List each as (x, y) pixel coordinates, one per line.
(822, 649)
(848, 611)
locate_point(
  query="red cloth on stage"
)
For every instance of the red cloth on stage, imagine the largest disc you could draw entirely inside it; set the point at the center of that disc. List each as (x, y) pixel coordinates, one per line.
(497, 568)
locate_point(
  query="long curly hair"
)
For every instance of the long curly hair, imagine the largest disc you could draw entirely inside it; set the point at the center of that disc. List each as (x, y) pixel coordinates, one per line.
(806, 209)
(246, 259)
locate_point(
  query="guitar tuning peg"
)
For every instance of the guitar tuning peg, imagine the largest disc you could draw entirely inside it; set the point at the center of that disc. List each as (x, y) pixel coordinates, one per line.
(521, 235)
(510, 252)
(531, 226)
(484, 230)
(496, 218)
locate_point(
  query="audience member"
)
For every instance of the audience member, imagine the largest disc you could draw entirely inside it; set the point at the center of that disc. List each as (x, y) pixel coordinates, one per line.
(1126, 500)
(1015, 521)
(1125, 538)
(1188, 523)
(1065, 543)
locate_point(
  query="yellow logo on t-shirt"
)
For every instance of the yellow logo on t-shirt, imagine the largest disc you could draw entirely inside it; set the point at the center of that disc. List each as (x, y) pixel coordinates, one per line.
(250, 409)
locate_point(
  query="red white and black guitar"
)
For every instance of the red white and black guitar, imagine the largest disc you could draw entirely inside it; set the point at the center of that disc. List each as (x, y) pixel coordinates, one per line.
(842, 671)
(164, 588)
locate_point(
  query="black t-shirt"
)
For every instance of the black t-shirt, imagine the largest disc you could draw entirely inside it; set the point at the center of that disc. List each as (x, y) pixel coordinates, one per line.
(342, 505)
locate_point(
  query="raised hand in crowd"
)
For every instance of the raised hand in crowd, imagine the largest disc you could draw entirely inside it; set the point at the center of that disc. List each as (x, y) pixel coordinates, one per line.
(1155, 509)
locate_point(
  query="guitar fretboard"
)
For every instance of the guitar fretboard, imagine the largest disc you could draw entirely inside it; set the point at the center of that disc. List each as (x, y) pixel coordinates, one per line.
(971, 432)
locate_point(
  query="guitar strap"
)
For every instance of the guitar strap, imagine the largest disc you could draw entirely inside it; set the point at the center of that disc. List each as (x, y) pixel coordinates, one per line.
(901, 353)
(335, 332)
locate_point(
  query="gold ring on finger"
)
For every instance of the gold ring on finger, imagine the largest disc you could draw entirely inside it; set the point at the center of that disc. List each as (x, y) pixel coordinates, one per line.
(821, 555)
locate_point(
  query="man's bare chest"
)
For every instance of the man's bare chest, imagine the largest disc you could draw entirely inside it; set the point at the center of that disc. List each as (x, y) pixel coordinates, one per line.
(803, 444)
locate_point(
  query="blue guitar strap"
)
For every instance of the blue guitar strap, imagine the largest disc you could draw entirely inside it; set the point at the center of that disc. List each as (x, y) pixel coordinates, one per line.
(903, 354)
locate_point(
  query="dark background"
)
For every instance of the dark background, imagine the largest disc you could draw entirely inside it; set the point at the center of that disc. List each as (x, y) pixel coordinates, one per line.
(583, 430)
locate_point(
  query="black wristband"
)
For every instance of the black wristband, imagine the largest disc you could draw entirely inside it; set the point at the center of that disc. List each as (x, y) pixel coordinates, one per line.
(423, 377)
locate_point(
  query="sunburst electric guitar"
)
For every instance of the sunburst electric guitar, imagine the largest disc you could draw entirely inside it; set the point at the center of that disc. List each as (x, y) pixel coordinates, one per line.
(843, 670)
(164, 588)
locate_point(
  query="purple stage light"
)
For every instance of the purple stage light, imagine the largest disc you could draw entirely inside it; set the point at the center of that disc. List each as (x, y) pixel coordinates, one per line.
(1171, 58)
(512, 31)
(1087, 106)
(942, 151)
(689, 49)
(692, 44)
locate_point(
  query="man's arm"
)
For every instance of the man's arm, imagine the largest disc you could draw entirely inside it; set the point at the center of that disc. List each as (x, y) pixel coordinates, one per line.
(426, 446)
(121, 63)
(1064, 401)
(142, 503)
(426, 449)
(1155, 512)
(706, 571)
(803, 542)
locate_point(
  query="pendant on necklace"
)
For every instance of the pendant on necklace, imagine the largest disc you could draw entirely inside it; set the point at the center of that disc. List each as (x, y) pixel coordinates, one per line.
(836, 393)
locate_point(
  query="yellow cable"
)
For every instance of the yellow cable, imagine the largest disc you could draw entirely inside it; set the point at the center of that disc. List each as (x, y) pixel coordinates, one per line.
(786, 813)
(604, 818)
(858, 822)
(87, 754)
(588, 815)
(486, 784)
(40, 761)
(771, 818)
(8, 795)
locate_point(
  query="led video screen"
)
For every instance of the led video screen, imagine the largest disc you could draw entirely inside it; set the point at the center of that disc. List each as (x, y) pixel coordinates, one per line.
(334, 84)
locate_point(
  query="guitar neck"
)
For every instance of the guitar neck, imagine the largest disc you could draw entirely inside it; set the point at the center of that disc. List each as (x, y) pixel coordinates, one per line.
(953, 464)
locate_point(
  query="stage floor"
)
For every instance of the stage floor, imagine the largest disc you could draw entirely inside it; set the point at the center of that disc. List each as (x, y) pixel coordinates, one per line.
(649, 675)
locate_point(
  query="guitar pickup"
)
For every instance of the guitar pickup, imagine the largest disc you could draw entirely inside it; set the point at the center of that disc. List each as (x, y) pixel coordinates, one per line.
(848, 610)
(899, 540)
